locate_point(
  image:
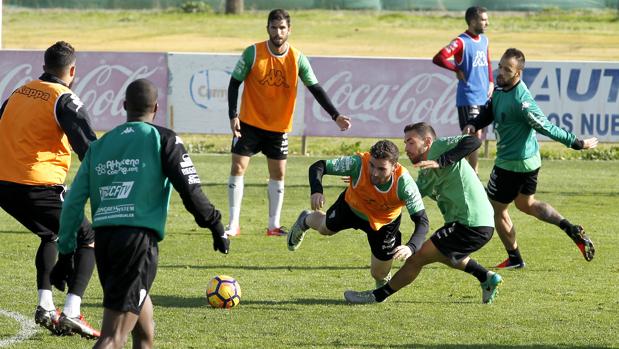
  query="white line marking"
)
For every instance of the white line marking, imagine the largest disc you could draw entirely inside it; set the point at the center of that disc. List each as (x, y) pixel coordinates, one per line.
(28, 328)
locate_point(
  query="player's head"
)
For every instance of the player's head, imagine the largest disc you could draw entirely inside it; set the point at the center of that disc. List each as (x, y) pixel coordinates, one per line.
(476, 18)
(60, 61)
(278, 27)
(141, 100)
(417, 139)
(384, 158)
(511, 66)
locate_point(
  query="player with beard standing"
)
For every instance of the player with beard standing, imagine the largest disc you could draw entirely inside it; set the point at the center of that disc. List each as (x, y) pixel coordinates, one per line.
(271, 71)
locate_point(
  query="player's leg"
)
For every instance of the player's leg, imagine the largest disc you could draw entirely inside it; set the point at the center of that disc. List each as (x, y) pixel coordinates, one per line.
(380, 270)
(275, 148)
(242, 149)
(382, 245)
(84, 264)
(338, 215)
(275, 189)
(115, 329)
(38, 209)
(503, 187)
(144, 331)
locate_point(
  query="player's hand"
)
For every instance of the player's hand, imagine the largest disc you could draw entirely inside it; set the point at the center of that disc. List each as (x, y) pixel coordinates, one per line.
(490, 89)
(235, 126)
(460, 75)
(426, 164)
(317, 201)
(343, 122)
(468, 130)
(590, 143)
(221, 243)
(61, 271)
(402, 253)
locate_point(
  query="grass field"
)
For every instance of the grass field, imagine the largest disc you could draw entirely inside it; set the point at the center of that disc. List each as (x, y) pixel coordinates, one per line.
(295, 299)
(551, 35)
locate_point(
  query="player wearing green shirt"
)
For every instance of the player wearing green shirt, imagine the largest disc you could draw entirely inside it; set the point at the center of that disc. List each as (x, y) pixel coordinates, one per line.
(449, 180)
(379, 188)
(517, 120)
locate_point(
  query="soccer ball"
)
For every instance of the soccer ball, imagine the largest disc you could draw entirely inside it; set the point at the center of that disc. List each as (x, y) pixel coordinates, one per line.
(223, 291)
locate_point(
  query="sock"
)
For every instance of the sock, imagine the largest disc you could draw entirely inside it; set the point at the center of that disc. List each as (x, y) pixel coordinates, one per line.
(276, 200)
(235, 197)
(514, 256)
(72, 305)
(44, 261)
(45, 299)
(383, 292)
(84, 265)
(566, 226)
(477, 270)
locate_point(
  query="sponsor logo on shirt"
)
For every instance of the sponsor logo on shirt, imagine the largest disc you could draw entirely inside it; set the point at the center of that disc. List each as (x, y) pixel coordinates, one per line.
(76, 100)
(186, 161)
(275, 78)
(118, 190)
(33, 93)
(193, 179)
(114, 167)
(178, 140)
(118, 211)
(480, 59)
(188, 170)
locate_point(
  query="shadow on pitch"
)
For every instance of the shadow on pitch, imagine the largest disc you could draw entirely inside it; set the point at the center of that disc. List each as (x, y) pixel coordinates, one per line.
(344, 344)
(169, 301)
(265, 267)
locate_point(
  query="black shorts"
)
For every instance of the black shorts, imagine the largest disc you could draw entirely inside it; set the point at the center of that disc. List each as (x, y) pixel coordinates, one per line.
(38, 209)
(127, 265)
(274, 145)
(382, 242)
(505, 185)
(457, 241)
(467, 113)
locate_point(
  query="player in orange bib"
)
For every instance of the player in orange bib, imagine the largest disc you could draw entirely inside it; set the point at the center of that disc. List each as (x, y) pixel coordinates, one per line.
(378, 189)
(271, 71)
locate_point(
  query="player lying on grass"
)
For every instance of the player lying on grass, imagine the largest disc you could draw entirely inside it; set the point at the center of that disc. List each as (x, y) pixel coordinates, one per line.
(445, 177)
(378, 189)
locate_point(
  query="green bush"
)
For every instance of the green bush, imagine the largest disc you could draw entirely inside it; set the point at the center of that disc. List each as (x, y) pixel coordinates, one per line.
(196, 7)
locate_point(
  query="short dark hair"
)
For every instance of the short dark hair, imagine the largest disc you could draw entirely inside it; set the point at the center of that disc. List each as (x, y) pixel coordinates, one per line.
(422, 129)
(59, 57)
(141, 97)
(385, 150)
(517, 54)
(473, 12)
(277, 15)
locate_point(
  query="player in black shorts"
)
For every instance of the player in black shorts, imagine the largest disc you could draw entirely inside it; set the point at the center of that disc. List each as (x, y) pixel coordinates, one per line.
(128, 174)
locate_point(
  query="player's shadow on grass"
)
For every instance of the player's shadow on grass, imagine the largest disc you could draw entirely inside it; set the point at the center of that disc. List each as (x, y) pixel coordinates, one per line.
(169, 301)
(266, 267)
(344, 344)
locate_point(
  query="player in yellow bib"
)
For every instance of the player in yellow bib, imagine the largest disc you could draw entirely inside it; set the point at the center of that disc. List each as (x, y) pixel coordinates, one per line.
(378, 189)
(271, 71)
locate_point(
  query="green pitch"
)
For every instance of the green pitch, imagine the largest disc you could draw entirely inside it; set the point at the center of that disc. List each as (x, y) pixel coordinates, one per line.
(295, 299)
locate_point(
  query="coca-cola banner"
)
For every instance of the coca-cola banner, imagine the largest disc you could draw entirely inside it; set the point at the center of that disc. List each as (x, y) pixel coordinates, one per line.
(101, 80)
(382, 96)
(199, 93)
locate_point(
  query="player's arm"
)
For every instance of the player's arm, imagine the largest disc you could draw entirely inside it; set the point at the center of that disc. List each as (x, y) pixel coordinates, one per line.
(240, 72)
(409, 193)
(75, 122)
(534, 116)
(72, 213)
(306, 73)
(442, 57)
(344, 166)
(485, 118)
(465, 146)
(179, 168)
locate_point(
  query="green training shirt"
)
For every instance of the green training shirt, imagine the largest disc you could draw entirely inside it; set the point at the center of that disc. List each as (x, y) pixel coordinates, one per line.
(517, 118)
(459, 194)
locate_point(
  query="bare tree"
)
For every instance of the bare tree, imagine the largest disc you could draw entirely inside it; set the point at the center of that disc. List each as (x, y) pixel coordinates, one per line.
(234, 6)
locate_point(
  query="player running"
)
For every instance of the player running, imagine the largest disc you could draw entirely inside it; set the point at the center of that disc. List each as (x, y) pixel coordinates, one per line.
(517, 119)
(460, 196)
(378, 189)
(271, 71)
